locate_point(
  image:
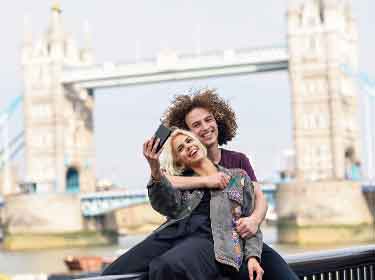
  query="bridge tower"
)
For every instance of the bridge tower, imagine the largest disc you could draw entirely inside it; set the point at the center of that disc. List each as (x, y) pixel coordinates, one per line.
(58, 120)
(322, 36)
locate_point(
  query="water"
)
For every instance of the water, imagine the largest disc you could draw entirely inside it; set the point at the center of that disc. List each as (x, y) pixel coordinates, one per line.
(51, 261)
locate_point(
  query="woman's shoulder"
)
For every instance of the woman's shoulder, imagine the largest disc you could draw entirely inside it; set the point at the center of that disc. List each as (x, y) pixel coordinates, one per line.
(233, 171)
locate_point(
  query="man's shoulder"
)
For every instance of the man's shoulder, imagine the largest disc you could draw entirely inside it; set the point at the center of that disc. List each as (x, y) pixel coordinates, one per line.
(233, 154)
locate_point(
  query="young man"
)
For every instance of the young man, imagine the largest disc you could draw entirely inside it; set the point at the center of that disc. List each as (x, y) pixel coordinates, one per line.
(213, 121)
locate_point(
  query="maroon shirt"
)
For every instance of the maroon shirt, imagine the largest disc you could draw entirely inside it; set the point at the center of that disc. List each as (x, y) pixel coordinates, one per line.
(232, 159)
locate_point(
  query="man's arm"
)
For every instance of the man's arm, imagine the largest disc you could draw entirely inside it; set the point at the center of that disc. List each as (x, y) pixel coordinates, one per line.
(219, 180)
(248, 226)
(261, 205)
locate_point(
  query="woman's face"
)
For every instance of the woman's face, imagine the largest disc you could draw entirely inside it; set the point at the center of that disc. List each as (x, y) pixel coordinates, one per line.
(187, 151)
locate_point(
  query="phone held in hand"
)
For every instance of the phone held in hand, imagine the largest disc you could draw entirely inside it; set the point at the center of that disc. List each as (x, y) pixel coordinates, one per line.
(162, 133)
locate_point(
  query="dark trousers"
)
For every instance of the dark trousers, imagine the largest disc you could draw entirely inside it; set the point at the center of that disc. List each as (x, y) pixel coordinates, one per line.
(274, 266)
(191, 257)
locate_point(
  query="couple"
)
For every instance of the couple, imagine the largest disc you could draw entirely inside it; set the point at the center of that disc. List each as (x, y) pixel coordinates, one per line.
(214, 213)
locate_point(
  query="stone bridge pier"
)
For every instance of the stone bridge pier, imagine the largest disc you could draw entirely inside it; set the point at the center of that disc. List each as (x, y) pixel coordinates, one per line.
(329, 212)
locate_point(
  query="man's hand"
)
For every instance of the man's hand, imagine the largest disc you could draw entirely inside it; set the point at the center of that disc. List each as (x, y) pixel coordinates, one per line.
(254, 266)
(217, 181)
(149, 151)
(247, 227)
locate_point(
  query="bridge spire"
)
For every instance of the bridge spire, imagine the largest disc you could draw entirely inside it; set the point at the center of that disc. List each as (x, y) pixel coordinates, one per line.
(87, 51)
(27, 41)
(55, 33)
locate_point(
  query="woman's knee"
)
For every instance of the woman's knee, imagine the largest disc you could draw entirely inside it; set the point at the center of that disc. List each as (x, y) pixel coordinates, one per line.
(165, 265)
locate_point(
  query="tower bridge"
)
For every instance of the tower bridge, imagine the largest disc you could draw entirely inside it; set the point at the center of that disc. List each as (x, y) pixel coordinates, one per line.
(60, 79)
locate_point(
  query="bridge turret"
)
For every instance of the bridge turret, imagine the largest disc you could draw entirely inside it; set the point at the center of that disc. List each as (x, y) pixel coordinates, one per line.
(293, 15)
(56, 117)
(55, 34)
(324, 100)
(27, 41)
(86, 55)
(71, 50)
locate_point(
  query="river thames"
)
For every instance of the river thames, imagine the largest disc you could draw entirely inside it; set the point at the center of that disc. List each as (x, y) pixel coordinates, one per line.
(51, 261)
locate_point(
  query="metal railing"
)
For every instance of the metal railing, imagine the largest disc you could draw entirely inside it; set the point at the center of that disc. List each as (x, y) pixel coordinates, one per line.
(343, 264)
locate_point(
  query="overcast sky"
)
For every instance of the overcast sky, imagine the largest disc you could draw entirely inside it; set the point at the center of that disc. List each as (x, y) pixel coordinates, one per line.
(124, 117)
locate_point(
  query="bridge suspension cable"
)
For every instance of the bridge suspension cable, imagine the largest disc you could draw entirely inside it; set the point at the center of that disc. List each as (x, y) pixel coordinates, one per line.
(6, 155)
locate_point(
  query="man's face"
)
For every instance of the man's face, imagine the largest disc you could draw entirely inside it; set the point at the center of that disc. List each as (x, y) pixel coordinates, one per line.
(203, 124)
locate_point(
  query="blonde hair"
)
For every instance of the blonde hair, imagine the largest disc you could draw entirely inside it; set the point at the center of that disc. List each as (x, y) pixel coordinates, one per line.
(168, 162)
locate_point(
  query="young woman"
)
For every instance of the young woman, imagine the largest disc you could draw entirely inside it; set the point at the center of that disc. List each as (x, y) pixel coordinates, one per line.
(199, 239)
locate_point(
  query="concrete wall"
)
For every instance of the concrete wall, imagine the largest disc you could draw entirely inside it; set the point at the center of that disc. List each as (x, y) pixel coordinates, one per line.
(137, 219)
(323, 203)
(323, 212)
(42, 213)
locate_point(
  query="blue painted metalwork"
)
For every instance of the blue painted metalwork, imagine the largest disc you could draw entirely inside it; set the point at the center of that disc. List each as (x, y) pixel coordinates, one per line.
(2, 201)
(364, 80)
(101, 203)
(5, 114)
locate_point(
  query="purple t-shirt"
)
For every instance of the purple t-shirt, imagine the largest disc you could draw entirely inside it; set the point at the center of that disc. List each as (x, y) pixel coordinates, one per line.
(232, 159)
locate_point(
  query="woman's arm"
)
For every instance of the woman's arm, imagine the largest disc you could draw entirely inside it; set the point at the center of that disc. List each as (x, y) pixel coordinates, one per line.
(163, 198)
(254, 246)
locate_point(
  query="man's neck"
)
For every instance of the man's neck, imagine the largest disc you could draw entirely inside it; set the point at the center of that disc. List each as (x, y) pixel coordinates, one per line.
(205, 168)
(214, 153)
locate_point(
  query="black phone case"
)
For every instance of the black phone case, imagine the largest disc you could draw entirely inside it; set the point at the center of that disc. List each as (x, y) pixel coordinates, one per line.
(162, 133)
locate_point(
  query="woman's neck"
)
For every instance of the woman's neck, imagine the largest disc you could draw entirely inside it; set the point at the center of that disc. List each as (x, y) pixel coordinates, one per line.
(205, 168)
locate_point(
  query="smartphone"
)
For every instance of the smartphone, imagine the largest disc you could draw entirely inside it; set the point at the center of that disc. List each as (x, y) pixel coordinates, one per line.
(162, 133)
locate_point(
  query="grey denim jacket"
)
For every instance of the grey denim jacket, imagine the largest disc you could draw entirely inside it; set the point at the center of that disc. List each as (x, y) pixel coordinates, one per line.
(226, 206)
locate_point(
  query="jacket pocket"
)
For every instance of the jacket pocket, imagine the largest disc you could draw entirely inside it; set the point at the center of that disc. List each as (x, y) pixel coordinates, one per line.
(235, 195)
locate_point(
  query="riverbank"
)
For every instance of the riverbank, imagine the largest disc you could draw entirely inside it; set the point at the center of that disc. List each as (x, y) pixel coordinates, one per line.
(22, 242)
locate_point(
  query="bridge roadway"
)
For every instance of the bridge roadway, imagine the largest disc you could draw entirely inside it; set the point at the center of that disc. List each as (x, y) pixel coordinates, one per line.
(99, 203)
(171, 66)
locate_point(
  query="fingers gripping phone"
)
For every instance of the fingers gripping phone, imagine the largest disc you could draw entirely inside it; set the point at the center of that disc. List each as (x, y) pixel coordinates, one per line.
(162, 133)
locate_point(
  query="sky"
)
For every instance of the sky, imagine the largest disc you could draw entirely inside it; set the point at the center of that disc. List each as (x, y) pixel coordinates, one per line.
(125, 117)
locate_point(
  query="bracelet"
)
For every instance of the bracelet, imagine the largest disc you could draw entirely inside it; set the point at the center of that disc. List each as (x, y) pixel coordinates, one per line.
(154, 180)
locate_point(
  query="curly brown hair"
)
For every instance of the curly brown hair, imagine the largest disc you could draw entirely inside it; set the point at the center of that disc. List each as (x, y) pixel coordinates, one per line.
(208, 99)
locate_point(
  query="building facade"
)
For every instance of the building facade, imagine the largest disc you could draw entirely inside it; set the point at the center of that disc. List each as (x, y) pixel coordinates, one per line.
(322, 38)
(58, 121)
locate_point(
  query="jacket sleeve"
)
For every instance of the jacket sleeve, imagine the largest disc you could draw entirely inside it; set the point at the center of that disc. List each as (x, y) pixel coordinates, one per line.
(253, 245)
(164, 198)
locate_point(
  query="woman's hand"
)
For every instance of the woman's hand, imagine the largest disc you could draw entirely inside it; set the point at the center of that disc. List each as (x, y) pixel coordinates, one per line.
(217, 181)
(149, 151)
(247, 227)
(254, 266)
